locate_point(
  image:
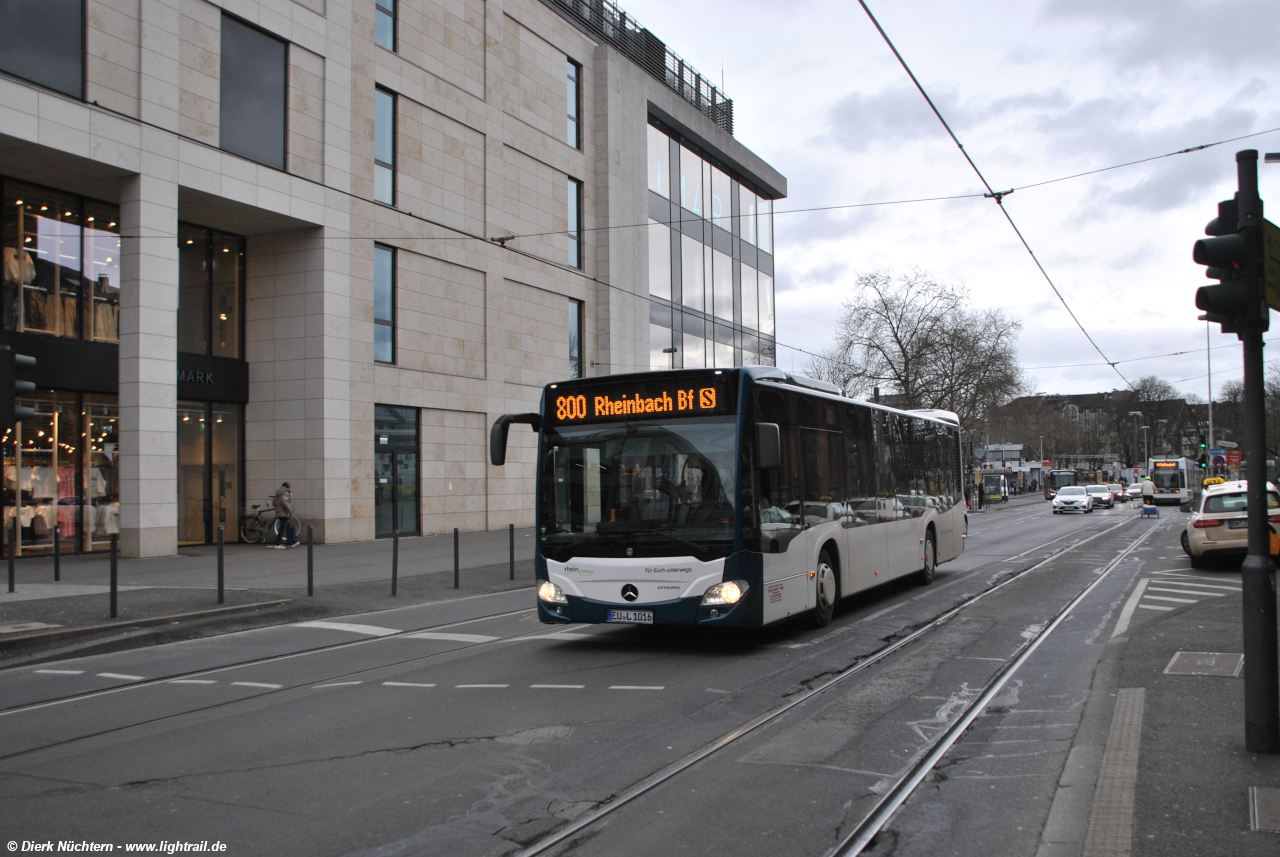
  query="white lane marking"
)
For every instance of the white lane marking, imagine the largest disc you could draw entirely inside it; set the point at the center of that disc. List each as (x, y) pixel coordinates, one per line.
(796, 645)
(635, 687)
(1190, 577)
(369, 630)
(405, 684)
(1154, 607)
(1122, 624)
(480, 685)
(192, 681)
(15, 627)
(121, 676)
(1187, 592)
(336, 684)
(879, 613)
(972, 658)
(257, 684)
(1197, 585)
(445, 635)
(1167, 598)
(61, 672)
(559, 686)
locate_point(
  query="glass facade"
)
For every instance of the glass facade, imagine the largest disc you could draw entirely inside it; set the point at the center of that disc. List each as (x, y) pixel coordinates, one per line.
(210, 292)
(60, 473)
(395, 470)
(210, 444)
(710, 263)
(61, 264)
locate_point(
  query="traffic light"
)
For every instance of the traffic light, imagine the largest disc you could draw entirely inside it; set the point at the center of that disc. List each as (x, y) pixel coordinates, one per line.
(1233, 256)
(11, 387)
(1204, 443)
(1203, 462)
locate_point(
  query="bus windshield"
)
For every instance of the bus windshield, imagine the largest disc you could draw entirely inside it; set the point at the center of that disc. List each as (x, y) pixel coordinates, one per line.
(658, 487)
(1167, 479)
(1061, 478)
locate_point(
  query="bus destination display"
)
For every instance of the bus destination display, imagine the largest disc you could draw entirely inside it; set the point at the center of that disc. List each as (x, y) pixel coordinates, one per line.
(648, 399)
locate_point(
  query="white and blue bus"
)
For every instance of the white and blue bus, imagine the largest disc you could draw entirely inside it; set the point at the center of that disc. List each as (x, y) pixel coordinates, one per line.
(732, 497)
(1172, 478)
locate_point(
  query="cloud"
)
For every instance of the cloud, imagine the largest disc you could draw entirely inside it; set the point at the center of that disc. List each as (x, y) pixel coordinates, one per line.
(893, 116)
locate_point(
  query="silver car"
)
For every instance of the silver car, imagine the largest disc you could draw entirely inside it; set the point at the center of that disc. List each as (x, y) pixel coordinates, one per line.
(1073, 498)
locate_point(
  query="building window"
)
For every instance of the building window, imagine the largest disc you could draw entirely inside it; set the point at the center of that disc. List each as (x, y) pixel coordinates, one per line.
(721, 188)
(747, 215)
(210, 291)
(384, 304)
(659, 163)
(766, 304)
(573, 74)
(764, 224)
(575, 339)
(575, 222)
(385, 24)
(692, 271)
(384, 146)
(691, 174)
(252, 98)
(61, 264)
(43, 41)
(659, 260)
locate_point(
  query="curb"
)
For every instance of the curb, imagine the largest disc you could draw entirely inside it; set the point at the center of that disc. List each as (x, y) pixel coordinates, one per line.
(54, 636)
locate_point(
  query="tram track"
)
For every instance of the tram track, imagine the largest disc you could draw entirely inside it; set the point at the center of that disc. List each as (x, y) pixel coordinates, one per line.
(898, 793)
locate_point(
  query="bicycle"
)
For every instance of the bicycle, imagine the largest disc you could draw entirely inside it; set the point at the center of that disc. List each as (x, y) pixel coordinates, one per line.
(256, 527)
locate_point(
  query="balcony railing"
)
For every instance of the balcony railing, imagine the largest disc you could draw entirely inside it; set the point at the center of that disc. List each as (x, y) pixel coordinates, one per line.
(606, 20)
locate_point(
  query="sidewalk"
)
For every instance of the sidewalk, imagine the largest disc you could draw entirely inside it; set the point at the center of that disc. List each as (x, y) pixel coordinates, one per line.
(171, 598)
(1158, 765)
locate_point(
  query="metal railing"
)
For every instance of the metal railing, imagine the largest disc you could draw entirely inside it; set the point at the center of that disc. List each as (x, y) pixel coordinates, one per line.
(605, 19)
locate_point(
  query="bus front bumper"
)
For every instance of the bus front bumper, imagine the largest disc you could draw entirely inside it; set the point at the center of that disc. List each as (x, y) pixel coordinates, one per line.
(682, 611)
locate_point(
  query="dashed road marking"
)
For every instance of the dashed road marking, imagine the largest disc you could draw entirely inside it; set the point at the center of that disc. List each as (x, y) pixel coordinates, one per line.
(257, 684)
(405, 684)
(61, 672)
(192, 681)
(1154, 607)
(635, 687)
(480, 685)
(559, 686)
(1167, 598)
(121, 676)
(336, 684)
(457, 638)
(368, 630)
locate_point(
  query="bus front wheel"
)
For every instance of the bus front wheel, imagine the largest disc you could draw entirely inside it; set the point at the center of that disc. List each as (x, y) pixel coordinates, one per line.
(925, 576)
(827, 592)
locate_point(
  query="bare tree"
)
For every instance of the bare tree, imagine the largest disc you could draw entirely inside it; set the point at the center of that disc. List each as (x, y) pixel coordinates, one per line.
(918, 340)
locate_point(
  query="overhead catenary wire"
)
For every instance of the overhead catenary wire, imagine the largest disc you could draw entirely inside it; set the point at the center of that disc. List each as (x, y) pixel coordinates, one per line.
(998, 196)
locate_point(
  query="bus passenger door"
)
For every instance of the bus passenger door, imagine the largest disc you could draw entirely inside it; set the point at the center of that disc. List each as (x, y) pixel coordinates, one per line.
(863, 564)
(784, 539)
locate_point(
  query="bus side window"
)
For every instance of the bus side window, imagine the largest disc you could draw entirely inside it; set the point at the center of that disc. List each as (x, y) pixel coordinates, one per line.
(779, 487)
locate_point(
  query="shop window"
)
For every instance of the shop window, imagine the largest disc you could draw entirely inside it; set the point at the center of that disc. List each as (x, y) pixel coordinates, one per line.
(384, 304)
(575, 339)
(384, 146)
(385, 24)
(43, 41)
(61, 473)
(210, 291)
(574, 192)
(573, 74)
(252, 97)
(61, 264)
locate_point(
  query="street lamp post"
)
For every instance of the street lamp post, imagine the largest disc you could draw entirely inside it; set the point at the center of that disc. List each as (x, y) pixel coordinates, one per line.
(1135, 415)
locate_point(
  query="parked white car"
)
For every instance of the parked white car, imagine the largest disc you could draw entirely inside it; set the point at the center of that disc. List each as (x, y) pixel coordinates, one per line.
(1219, 525)
(1073, 498)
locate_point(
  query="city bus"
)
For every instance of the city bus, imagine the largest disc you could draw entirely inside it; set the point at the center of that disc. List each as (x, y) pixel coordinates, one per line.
(731, 497)
(1056, 479)
(1172, 478)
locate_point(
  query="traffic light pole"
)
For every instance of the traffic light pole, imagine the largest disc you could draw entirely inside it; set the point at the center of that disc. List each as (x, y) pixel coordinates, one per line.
(1258, 574)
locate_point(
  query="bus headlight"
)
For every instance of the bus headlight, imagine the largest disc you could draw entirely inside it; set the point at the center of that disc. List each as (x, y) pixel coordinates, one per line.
(551, 593)
(729, 592)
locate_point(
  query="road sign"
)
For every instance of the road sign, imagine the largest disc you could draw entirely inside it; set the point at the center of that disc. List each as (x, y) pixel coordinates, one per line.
(1219, 460)
(1222, 451)
(1271, 262)
(1234, 456)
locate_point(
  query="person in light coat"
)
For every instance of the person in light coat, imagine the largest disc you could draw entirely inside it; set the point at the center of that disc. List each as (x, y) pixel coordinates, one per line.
(1148, 492)
(286, 537)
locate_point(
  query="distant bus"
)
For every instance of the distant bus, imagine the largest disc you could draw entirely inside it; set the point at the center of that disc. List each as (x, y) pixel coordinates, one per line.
(1171, 478)
(1056, 479)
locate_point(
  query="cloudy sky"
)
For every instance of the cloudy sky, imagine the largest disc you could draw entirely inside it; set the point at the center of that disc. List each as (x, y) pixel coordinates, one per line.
(1035, 91)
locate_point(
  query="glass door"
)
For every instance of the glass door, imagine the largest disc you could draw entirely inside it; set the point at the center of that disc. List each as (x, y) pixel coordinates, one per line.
(208, 471)
(395, 470)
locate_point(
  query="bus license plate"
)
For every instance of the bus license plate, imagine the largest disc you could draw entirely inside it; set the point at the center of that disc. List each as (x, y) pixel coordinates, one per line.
(1238, 525)
(630, 617)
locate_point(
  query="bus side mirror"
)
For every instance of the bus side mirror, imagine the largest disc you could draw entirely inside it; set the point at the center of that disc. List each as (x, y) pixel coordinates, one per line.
(498, 434)
(768, 445)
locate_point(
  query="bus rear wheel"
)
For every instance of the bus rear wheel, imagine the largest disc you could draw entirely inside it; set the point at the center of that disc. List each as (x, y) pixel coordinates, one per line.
(925, 575)
(828, 592)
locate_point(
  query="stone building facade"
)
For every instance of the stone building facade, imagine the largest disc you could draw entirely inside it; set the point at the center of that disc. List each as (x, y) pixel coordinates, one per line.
(328, 241)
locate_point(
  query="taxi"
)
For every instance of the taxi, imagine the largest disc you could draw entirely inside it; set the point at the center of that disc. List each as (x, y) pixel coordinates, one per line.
(1219, 525)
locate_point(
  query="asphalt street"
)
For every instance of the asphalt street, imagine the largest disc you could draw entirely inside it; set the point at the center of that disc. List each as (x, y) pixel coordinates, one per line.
(468, 728)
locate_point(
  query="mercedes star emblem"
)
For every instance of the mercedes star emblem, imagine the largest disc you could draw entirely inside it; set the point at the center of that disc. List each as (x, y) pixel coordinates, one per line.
(630, 593)
(630, 551)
